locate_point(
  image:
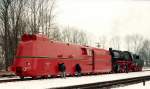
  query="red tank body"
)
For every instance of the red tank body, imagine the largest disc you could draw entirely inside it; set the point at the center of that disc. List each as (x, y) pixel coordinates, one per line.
(39, 56)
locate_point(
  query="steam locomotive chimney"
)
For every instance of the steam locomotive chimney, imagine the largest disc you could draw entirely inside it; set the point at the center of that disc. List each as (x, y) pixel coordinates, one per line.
(110, 49)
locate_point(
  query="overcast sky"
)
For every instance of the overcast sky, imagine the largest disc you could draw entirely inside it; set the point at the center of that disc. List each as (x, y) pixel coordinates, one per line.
(106, 17)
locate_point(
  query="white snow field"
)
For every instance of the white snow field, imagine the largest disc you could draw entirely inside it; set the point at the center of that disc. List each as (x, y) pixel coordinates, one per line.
(58, 82)
(136, 86)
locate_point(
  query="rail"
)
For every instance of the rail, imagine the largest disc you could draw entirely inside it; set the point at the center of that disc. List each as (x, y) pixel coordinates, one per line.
(108, 84)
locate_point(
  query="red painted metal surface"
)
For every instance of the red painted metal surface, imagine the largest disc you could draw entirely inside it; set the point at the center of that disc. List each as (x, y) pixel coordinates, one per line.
(39, 56)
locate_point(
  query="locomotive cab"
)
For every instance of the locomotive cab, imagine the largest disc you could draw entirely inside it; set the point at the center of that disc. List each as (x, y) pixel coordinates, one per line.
(138, 62)
(127, 56)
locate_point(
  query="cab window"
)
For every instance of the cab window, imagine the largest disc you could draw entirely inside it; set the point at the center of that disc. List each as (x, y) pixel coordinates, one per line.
(86, 51)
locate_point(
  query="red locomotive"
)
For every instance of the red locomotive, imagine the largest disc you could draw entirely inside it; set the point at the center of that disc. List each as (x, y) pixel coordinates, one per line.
(39, 56)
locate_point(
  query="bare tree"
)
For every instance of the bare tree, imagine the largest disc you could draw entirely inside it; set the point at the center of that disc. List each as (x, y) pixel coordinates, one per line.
(82, 38)
(73, 35)
(115, 42)
(19, 16)
(4, 25)
(55, 34)
(41, 16)
(133, 42)
(102, 41)
(11, 13)
(66, 34)
(144, 52)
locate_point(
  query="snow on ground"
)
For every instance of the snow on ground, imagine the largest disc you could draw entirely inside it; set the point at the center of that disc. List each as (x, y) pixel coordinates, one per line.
(146, 68)
(57, 82)
(136, 86)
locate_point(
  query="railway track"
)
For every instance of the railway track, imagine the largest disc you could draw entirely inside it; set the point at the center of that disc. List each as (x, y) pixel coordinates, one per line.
(109, 84)
(6, 74)
(13, 78)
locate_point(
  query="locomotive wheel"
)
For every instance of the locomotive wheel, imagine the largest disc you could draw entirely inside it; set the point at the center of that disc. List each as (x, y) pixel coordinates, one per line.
(117, 68)
(62, 69)
(78, 69)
